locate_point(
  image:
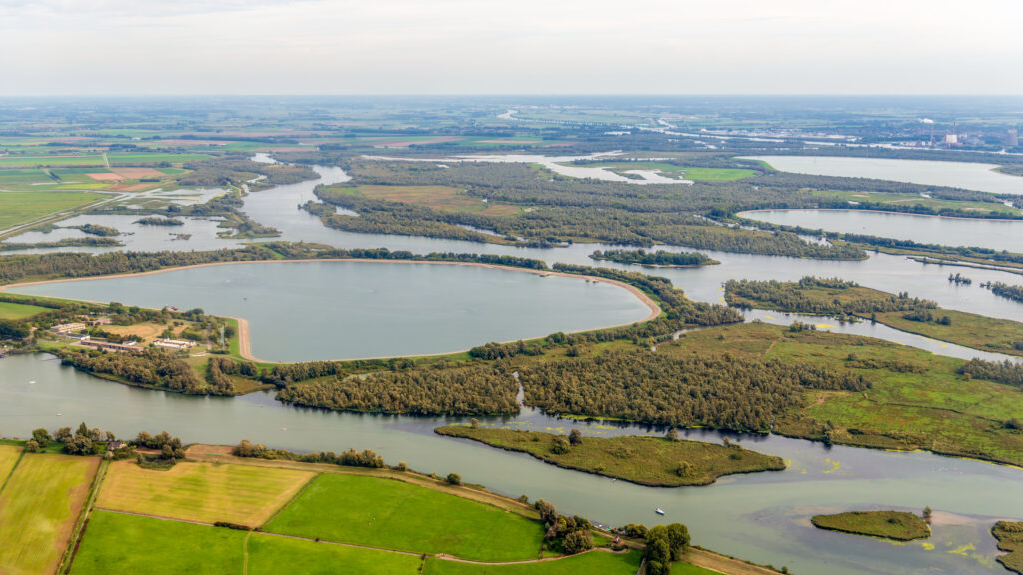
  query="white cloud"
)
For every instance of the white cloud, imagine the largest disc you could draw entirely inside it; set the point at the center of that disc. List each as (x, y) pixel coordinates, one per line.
(526, 46)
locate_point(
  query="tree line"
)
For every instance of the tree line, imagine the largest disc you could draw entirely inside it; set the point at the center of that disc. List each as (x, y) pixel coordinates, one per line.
(658, 258)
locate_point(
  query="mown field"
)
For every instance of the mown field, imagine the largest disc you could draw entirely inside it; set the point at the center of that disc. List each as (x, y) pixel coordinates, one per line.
(9, 455)
(119, 543)
(39, 505)
(393, 514)
(9, 310)
(897, 525)
(204, 492)
(23, 207)
(595, 562)
(644, 460)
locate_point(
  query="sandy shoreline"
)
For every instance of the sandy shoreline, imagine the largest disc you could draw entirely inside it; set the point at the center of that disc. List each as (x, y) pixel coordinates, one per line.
(244, 343)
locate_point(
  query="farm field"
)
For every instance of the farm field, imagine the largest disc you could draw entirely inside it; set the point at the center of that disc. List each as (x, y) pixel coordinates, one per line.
(119, 543)
(9, 455)
(600, 562)
(273, 555)
(38, 508)
(443, 198)
(392, 514)
(155, 158)
(23, 207)
(203, 492)
(9, 310)
(50, 161)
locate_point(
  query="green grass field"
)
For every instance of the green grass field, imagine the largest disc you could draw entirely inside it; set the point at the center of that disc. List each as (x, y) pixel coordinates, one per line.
(10, 310)
(38, 508)
(392, 514)
(442, 198)
(595, 562)
(155, 158)
(644, 460)
(916, 200)
(688, 569)
(205, 492)
(50, 161)
(898, 525)
(9, 455)
(23, 207)
(272, 555)
(118, 543)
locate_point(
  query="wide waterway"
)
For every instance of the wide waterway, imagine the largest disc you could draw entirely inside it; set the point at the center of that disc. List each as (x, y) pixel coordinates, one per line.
(299, 311)
(762, 517)
(984, 233)
(965, 175)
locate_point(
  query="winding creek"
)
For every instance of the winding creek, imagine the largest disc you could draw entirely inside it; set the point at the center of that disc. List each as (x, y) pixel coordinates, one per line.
(761, 517)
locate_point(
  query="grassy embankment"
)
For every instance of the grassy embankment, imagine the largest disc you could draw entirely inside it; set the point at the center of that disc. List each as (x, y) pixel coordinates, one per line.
(966, 329)
(897, 525)
(916, 399)
(40, 501)
(645, 460)
(1010, 538)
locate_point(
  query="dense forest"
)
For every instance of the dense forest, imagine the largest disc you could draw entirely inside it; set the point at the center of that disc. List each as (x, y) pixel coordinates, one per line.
(1005, 372)
(472, 390)
(714, 391)
(150, 368)
(658, 258)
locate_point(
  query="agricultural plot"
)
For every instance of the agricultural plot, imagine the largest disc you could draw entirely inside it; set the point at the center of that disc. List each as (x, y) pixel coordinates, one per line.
(155, 158)
(392, 514)
(593, 562)
(272, 555)
(23, 207)
(9, 455)
(119, 543)
(10, 310)
(206, 492)
(50, 161)
(38, 508)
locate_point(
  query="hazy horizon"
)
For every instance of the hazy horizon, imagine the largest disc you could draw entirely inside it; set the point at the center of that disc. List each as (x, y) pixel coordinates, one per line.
(456, 47)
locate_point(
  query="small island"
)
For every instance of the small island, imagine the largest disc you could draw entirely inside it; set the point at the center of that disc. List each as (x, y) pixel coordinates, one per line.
(159, 221)
(897, 525)
(1010, 538)
(660, 258)
(653, 461)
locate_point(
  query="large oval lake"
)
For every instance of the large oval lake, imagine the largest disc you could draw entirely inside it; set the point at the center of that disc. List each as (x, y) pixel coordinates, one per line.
(993, 234)
(300, 311)
(966, 175)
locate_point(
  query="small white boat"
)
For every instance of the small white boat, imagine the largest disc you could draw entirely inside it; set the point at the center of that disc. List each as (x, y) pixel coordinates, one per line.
(31, 383)
(659, 511)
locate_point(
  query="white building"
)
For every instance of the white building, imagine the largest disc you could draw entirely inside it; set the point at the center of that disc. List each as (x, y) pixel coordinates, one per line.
(178, 344)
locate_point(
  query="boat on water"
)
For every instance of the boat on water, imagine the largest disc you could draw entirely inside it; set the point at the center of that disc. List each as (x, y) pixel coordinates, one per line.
(659, 511)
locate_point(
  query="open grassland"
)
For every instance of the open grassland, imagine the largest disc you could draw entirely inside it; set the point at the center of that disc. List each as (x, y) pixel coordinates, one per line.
(50, 161)
(23, 207)
(9, 310)
(982, 208)
(206, 492)
(966, 329)
(916, 399)
(595, 562)
(9, 455)
(690, 569)
(118, 543)
(155, 158)
(443, 198)
(898, 525)
(392, 514)
(274, 555)
(39, 505)
(645, 460)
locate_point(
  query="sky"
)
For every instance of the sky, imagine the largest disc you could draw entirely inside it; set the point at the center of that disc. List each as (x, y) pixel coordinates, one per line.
(134, 47)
